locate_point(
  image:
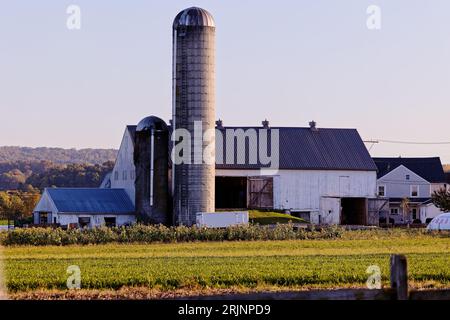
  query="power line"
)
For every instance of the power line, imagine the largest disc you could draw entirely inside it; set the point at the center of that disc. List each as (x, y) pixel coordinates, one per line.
(412, 142)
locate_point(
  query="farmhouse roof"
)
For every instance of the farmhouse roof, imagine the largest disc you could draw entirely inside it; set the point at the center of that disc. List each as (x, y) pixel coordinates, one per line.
(428, 168)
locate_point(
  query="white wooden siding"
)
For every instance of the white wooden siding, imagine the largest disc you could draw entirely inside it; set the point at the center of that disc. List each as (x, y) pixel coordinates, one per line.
(397, 186)
(302, 190)
(125, 163)
(97, 220)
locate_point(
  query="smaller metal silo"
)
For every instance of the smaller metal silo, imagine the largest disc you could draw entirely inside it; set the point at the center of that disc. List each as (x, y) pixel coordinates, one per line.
(151, 158)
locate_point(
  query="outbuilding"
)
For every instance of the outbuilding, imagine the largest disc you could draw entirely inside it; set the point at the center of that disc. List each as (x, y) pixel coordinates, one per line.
(89, 208)
(441, 222)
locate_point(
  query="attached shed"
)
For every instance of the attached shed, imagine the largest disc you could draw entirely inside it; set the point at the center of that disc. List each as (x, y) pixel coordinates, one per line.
(84, 208)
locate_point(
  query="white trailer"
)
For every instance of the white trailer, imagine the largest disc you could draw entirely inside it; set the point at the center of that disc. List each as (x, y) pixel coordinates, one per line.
(222, 219)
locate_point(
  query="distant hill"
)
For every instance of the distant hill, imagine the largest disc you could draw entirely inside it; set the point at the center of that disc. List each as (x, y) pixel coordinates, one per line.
(56, 155)
(37, 168)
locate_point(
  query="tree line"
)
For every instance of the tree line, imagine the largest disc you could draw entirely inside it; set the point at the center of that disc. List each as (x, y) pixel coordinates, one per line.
(57, 155)
(35, 176)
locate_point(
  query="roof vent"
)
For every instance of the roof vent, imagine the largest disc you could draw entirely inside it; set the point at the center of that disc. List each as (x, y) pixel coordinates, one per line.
(219, 124)
(313, 125)
(265, 124)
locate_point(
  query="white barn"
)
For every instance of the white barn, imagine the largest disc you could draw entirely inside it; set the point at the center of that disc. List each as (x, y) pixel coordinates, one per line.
(124, 172)
(325, 176)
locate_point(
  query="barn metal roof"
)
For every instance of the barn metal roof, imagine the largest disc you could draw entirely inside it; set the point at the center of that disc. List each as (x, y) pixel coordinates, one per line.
(430, 169)
(194, 17)
(93, 201)
(310, 149)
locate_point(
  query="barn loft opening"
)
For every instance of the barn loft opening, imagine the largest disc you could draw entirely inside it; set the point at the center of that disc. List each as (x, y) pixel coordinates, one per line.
(354, 211)
(244, 193)
(231, 192)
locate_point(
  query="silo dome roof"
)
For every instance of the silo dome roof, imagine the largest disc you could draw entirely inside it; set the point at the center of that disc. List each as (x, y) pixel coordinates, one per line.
(194, 17)
(151, 122)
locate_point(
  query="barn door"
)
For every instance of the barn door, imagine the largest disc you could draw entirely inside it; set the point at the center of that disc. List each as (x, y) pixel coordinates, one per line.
(330, 210)
(260, 193)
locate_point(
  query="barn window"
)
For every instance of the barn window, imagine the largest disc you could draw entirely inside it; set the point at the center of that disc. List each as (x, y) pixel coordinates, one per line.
(84, 222)
(43, 217)
(110, 222)
(408, 177)
(124, 175)
(132, 174)
(116, 175)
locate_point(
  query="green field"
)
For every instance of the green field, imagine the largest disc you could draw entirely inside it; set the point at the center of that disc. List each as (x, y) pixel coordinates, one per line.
(239, 265)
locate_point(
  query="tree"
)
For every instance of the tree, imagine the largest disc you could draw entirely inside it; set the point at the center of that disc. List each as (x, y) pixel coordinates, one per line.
(405, 208)
(30, 201)
(441, 199)
(17, 207)
(5, 206)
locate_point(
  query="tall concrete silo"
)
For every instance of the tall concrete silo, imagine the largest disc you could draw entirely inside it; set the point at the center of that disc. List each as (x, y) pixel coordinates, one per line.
(151, 158)
(193, 103)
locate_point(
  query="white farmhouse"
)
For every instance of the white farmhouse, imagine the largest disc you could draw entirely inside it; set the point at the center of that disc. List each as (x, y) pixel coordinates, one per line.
(408, 183)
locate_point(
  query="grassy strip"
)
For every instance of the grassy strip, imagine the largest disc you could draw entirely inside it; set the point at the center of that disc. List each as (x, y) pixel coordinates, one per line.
(245, 265)
(267, 218)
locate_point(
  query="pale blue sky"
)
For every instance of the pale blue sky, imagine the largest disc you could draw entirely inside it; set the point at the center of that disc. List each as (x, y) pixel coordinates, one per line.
(287, 61)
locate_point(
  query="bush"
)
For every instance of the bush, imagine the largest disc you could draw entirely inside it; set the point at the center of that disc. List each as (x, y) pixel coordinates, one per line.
(161, 234)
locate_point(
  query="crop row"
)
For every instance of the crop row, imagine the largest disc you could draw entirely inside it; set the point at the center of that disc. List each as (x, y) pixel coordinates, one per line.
(155, 234)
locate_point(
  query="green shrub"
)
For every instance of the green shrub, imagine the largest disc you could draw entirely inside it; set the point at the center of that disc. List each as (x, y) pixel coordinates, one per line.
(156, 234)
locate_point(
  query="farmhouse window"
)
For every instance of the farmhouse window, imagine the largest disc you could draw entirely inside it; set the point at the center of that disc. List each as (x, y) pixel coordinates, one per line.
(394, 210)
(414, 191)
(381, 191)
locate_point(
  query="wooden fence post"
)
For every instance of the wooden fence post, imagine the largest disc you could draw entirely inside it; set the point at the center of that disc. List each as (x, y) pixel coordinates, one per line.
(399, 276)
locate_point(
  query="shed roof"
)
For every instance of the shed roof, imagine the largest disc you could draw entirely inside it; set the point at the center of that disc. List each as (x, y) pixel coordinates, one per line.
(307, 149)
(428, 168)
(93, 201)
